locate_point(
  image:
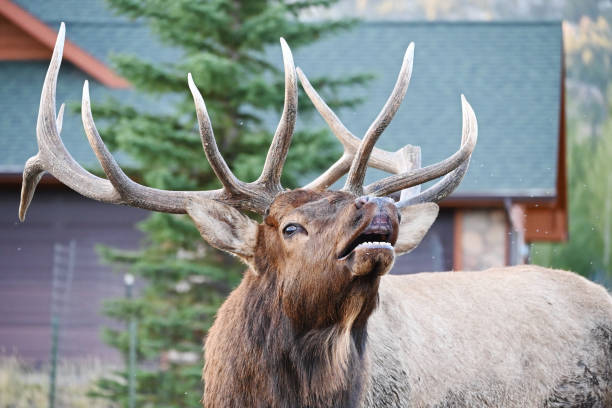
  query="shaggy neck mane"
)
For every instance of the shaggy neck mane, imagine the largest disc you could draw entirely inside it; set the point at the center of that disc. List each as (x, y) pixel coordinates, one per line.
(322, 367)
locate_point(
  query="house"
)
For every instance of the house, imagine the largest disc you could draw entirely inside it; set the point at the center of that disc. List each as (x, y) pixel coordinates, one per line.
(513, 194)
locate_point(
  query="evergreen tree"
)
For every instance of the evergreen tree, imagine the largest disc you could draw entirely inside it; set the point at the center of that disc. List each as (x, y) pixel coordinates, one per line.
(226, 45)
(588, 51)
(589, 249)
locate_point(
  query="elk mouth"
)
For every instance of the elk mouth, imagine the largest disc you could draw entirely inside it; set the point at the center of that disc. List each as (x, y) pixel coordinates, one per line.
(377, 235)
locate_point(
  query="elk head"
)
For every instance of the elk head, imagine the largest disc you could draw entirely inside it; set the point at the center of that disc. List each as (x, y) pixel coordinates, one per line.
(315, 241)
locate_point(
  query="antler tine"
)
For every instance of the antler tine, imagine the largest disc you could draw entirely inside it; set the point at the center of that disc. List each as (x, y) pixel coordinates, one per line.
(411, 178)
(33, 172)
(444, 187)
(218, 164)
(356, 175)
(52, 154)
(379, 158)
(342, 133)
(131, 192)
(60, 118)
(277, 153)
(440, 190)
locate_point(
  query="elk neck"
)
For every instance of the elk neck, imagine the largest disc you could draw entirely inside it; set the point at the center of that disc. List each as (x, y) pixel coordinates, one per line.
(294, 333)
(320, 361)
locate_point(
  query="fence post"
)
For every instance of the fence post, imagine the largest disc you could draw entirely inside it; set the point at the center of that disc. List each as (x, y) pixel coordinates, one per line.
(63, 270)
(128, 279)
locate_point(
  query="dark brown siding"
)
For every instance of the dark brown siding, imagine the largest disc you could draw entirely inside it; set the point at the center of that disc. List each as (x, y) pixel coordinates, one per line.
(26, 256)
(435, 253)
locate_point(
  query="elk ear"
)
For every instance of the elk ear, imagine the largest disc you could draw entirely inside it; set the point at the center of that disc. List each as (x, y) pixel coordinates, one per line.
(224, 227)
(416, 221)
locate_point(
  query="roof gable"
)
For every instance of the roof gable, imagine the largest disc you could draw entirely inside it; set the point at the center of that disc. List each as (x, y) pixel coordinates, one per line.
(18, 21)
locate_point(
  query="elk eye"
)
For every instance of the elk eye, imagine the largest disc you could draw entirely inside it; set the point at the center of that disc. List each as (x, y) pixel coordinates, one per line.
(292, 229)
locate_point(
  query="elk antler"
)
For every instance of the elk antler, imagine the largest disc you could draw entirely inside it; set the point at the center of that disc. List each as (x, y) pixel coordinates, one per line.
(354, 180)
(381, 159)
(120, 189)
(258, 195)
(458, 163)
(358, 154)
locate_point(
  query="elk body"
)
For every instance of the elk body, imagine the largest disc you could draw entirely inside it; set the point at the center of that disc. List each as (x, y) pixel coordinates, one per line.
(315, 322)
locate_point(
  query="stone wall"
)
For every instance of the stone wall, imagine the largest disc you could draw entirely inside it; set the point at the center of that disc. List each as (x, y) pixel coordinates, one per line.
(483, 236)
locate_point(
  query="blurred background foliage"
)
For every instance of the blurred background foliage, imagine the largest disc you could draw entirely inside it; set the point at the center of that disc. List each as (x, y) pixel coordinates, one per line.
(588, 58)
(223, 44)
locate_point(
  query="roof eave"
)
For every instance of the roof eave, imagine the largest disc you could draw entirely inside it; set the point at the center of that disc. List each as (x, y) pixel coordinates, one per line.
(73, 53)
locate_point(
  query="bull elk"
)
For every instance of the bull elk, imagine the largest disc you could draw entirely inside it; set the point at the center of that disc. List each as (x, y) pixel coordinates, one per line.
(315, 322)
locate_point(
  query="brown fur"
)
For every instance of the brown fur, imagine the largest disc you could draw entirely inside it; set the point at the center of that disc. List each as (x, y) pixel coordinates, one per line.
(271, 345)
(303, 328)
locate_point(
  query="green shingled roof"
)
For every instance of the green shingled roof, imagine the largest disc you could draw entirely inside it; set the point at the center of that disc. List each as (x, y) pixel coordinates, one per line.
(509, 72)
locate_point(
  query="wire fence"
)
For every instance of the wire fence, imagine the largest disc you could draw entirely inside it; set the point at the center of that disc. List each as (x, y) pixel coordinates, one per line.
(67, 325)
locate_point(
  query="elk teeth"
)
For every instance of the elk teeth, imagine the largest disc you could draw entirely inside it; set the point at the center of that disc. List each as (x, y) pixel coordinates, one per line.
(385, 245)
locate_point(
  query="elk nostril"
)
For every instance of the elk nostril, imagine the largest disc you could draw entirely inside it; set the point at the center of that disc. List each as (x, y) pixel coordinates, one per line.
(360, 201)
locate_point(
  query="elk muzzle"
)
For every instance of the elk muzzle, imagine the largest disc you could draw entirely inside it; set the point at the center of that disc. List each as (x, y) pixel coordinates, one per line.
(370, 249)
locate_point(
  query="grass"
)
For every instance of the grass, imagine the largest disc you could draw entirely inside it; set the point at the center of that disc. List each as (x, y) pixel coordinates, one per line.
(25, 386)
